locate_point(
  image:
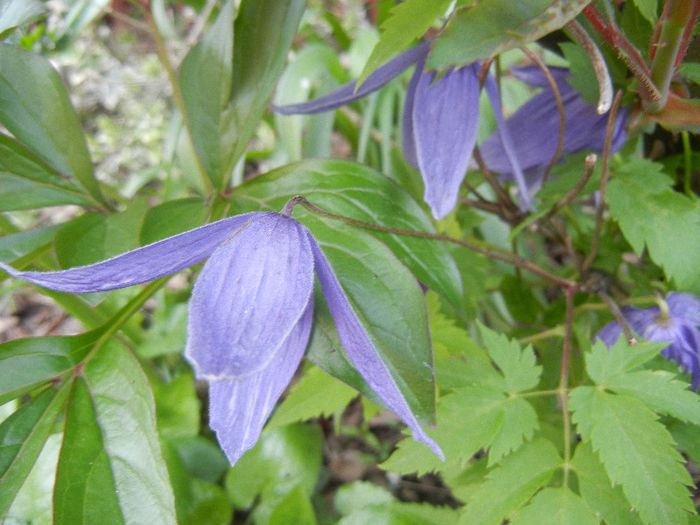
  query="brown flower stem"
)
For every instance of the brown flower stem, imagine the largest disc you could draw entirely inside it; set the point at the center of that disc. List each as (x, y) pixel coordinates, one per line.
(605, 87)
(560, 108)
(588, 169)
(617, 313)
(491, 252)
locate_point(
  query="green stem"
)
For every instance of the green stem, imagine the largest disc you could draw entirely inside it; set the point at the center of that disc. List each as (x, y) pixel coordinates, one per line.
(687, 164)
(673, 22)
(563, 393)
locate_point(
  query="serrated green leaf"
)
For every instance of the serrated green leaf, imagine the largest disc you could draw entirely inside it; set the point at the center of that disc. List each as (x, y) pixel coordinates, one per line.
(597, 489)
(512, 483)
(603, 363)
(119, 446)
(519, 424)
(35, 108)
(14, 13)
(26, 363)
(637, 452)
(517, 364)
(467, 420)
(660, 391)
(407, 21)
(22, 437)
(304, 402)
(651, 214)
(351, 189)
(459, 361)
(582, 72)
(486, 28)
(560, 505)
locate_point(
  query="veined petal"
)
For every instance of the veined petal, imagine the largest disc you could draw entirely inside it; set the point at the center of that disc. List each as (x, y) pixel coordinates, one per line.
(506, 141)
(408, 138)
(238, 408)
(347, 94)
(685, 306)
(445, 124)
(143, 264)
(534, 76)
(250, 295)
(360, 349)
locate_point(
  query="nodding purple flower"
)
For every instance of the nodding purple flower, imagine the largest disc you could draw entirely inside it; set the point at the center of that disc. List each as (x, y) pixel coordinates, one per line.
(250, 315)
(680, 326)
(440, 121)
(536, 125)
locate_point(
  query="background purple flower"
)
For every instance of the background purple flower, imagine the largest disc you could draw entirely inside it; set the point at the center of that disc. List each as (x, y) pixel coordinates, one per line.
(680, 328)
(250, 315)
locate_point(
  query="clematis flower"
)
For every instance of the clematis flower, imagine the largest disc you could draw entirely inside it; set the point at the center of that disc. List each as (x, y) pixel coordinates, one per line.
(440, 121)
(679, 326)
(536, 124)
(250, 315)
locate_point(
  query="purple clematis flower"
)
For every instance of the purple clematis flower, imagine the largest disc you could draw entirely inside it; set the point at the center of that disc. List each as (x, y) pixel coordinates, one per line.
(440, 121)
(536, 124)
(680, 327)
(250, 315)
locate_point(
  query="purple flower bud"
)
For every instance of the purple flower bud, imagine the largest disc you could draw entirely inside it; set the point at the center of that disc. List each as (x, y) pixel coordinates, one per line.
(250, 315)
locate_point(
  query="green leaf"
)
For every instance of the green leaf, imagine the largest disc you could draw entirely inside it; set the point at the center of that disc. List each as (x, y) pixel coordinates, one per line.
(18, 194)
(487, 28)
(517, 364)
(18, 244)
(95, 237)
(651, 214)
(360, 494)
(351, 189)
(177, 406)
(648, 8)
(283, 459)
(14, 13)
(519, 424)
(604, 363)
(389, 303)
(111, 434)
(560, 505)
(637, 452)
(295, 507)
(172, 217)
(467, 420)
(304, 402)
(205, 81)
(209, 505)
(597, 489)
(35, 108)
(512, 483)
(407, 21)
(26, 363)
(661, 392)
(202, 457)
(81, 13)
(22, 436)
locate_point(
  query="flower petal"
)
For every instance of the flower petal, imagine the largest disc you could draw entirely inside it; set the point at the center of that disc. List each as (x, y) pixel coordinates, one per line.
(248, 298)
(408, 138)
(360, 349)
(347, 93)
(143, 264)
(445, 123)
(685, 306)
(508, 147)
(238, 408)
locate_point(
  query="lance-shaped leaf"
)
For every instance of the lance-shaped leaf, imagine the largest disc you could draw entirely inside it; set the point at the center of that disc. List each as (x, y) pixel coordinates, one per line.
(35, 108)
(14, 13)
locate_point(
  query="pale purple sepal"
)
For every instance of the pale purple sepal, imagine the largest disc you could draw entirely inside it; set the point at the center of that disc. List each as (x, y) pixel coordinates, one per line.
(346, 94)
(507, 142)
(248, 298)
(685, 306)
(239, 408)
(361, 351)
(445, 124)
(408, 139)
(536, 124)
(141, 265)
